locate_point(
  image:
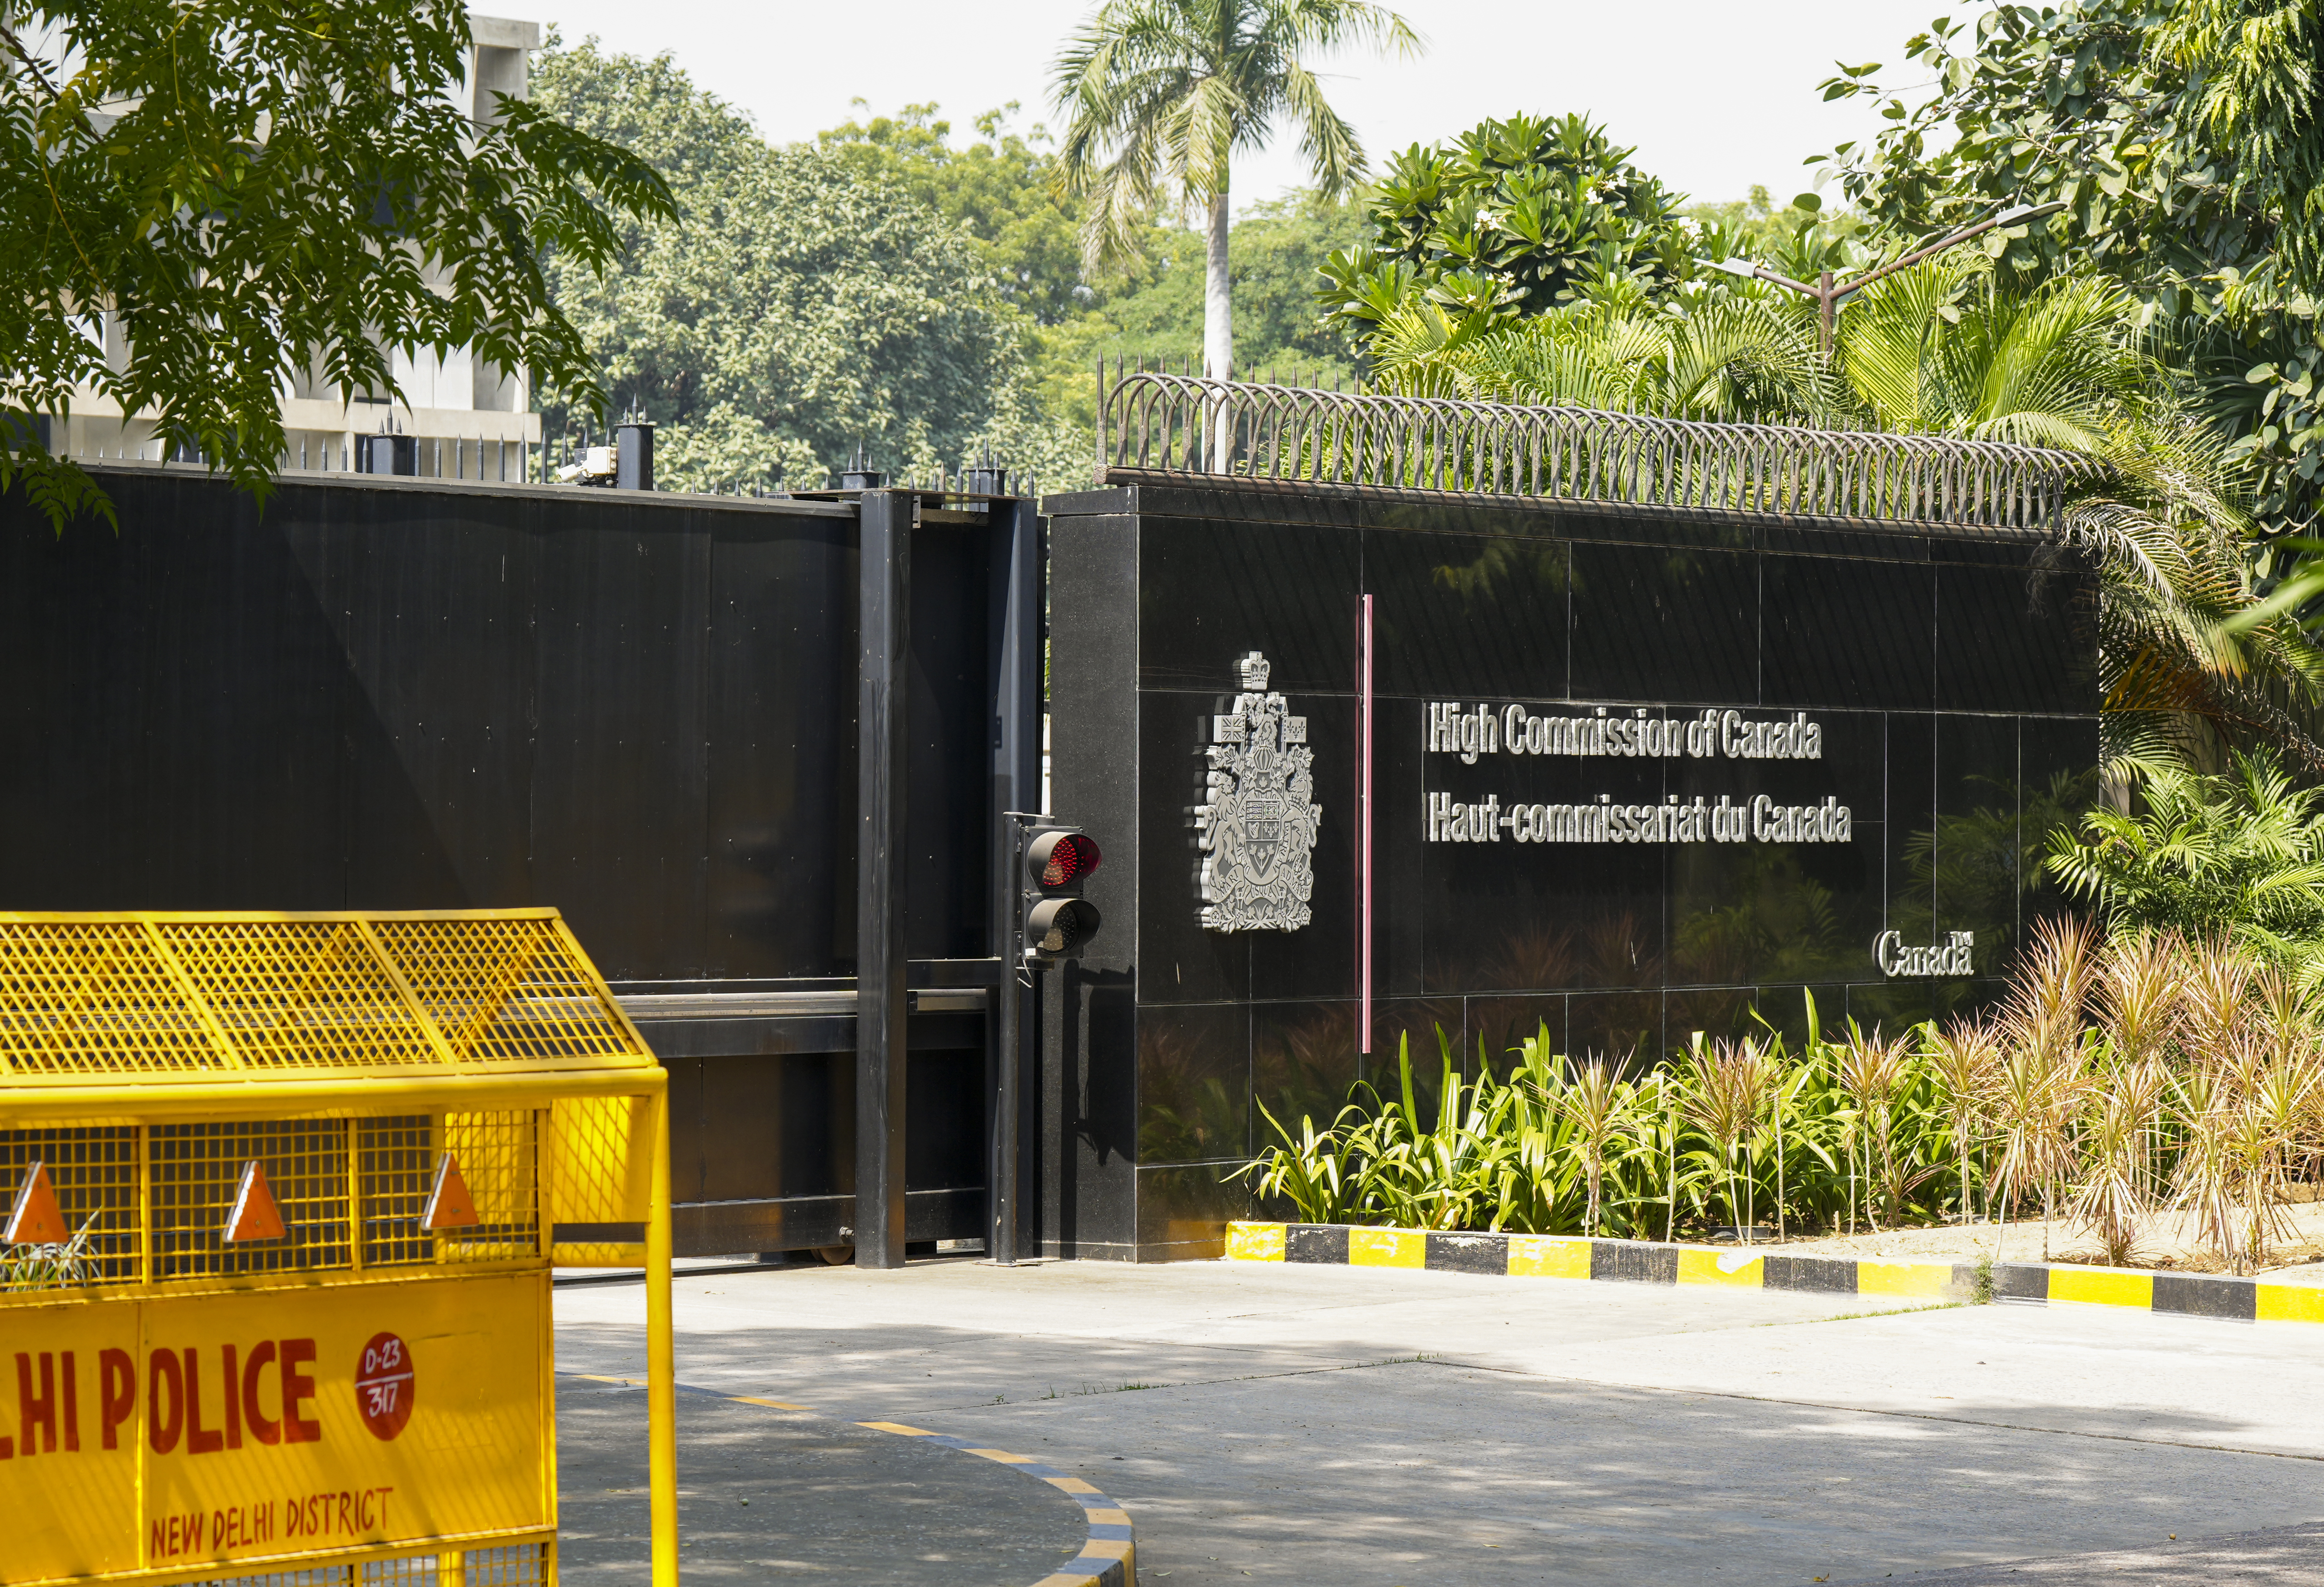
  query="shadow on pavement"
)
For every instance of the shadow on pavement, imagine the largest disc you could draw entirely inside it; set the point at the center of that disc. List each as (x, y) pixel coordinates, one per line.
(768, 1495)
(1265, 1462)
(2288, 1556)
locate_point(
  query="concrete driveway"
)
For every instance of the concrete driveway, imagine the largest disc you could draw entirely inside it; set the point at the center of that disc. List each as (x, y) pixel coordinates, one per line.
(1387, 1428)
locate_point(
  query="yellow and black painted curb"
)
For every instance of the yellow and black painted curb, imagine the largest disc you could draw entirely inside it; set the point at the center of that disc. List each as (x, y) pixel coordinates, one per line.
(1109, 1556)
(1641, 1261)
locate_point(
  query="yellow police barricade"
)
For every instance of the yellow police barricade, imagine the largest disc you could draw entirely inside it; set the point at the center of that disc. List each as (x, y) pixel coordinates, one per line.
(287, 1191)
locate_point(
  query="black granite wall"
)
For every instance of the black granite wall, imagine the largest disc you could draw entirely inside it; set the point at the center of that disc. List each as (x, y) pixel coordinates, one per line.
(1951, 678)
(384, 693)
(395, 693)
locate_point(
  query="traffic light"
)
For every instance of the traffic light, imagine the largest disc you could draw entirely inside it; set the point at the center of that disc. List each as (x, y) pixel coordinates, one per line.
(1059, 921)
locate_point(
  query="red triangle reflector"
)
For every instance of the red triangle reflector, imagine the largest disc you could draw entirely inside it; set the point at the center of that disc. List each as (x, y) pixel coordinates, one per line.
(254, 1216)
(36, 1219)
(450, 1205)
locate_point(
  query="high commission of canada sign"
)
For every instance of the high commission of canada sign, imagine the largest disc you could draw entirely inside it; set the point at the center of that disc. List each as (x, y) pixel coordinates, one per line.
(1470, 733)
(1258, 827)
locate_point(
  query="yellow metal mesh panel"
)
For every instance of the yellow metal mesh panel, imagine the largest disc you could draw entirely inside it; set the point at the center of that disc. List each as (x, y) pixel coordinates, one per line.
(395, 1163)
(423, 1569)
(601, 1180)
(94, 1172)
(300, 993)
(499, 1155)
(89, 999)
(197, 1167)
(506, 991)
(524, 1565)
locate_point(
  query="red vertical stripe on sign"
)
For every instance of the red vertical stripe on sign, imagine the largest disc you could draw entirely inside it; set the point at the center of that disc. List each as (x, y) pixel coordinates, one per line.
(1364, 828)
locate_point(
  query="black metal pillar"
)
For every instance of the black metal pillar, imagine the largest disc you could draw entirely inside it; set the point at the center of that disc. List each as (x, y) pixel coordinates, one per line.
(885, 582)
(1016, 776)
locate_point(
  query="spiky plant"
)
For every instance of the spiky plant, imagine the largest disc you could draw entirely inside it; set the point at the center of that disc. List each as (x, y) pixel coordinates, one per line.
(2042, 1021)
(2204, 1182)
(1726, 1093)
(1874, 1072)
(1961, 1059)
(2109, 1197)
(55, 1266)
(1598, 1105)
(2136, 981)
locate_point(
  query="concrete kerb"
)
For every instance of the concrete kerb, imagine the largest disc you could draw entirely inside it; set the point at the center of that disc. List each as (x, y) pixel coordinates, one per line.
(1109, 1556)
(1639, 1261)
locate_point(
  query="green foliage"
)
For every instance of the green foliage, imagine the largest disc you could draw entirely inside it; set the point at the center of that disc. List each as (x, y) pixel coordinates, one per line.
(1731, 357)
(807, 302)
(1273, 252)
(2112, 1080)
(1512, 217)
(1799, 239)
(2237, 854)
(266, 191)
(891, 284)
(56, 1266)
(1941, 347)
(1161, 94)
(1001, 192)
(1733, 1133)
(2190, 656)
(2189, 143)
(1491, 1153)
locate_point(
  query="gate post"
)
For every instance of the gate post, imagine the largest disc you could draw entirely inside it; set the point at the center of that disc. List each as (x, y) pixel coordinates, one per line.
(1016, 626)
(884, 578)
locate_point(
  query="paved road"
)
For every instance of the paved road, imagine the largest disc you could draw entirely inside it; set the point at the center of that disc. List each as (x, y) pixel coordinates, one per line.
(776, 1495)
(1381, 1428)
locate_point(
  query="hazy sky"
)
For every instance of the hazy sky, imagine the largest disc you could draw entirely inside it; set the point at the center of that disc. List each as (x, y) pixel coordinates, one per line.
(1715, 96)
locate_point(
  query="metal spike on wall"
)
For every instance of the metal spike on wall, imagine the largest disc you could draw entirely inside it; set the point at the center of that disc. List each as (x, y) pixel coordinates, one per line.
(1641, 452)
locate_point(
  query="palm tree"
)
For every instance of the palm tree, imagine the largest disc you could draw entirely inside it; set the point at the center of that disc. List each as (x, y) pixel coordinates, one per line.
(2235, 857)
(1733, 358)
(1162, 93)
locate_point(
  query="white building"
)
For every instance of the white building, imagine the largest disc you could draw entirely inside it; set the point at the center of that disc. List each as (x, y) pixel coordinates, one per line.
(472, 421)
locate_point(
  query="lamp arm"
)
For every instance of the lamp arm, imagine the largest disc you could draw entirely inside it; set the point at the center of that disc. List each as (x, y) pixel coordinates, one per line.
(1941, 243)
(1763, 274)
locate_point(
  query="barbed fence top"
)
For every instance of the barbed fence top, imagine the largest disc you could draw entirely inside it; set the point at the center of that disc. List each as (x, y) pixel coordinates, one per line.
(1154, 422)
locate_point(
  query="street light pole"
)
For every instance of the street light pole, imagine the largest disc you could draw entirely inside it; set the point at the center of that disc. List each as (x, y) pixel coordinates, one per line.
(1828, 293)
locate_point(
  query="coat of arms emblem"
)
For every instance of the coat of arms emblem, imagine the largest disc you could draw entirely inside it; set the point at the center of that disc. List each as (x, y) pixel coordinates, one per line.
(1258, 830)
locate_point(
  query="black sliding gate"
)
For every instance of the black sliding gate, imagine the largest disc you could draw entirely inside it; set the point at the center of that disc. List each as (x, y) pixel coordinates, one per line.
(388, 693)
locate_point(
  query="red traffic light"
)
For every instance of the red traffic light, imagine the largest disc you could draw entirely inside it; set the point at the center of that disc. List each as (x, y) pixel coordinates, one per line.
(1062, 859)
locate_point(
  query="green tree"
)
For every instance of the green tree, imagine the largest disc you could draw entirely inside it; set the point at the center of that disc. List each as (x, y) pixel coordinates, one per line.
(807, 303)
(263, 191)
(1274, 253)
(1512, 217)
(1782, 236)
(2190, 660)
(2188, 141)
(1162, 93)
(1730, 356)
(1001, 191)
(2237, 854)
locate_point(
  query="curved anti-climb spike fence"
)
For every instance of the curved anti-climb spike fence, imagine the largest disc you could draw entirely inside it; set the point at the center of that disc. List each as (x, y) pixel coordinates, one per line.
(1186, 424)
